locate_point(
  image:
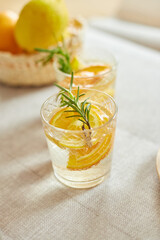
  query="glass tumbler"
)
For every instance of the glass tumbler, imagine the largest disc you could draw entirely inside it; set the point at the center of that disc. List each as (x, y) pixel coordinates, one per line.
(103, 81)
(81, 158)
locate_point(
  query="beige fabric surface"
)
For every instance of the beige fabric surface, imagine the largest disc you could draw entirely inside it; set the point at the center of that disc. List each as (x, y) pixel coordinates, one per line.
(34, 206)
(144, 11)
(145, 35)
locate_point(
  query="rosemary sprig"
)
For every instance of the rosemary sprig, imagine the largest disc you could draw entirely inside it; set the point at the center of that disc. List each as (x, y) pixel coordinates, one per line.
(82, 109)
(63, 58)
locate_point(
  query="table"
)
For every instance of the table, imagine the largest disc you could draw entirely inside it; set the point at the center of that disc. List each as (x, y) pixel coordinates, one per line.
(35, 206)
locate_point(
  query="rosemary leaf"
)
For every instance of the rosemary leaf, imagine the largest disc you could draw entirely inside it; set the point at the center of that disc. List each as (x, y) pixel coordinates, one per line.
(71, 83)
(87, 107)
(67, 99)
(83, 104)
(63, 58)
(62, 88)
(81, 95)
(77, 94)
(73, 116)
(82, 121)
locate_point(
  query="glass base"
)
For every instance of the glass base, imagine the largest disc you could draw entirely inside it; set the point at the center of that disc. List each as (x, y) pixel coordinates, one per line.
(84, 184)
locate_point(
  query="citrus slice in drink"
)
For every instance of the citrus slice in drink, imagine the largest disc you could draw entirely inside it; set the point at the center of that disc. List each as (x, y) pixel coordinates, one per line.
(72, 139)
(87, 76)
(86, 148)
(86, 158)
(61, 118)
(93, 70)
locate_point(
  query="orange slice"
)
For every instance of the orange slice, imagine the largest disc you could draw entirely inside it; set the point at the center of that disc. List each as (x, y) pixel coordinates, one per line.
(76, 140)
(81, 154)
(85, 77)
(60, 119)
(91, 71)
(85, 158)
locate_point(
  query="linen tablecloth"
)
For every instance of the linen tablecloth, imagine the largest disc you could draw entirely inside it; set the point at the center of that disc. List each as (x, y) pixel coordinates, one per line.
(35, 206)
(141, 34)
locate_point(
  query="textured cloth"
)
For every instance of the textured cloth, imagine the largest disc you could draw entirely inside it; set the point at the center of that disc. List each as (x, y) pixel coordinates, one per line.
(141, 34)
(35, 206)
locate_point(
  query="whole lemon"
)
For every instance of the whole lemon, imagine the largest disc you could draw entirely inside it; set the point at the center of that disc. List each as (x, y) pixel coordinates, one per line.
(8, 21)
(41, 23)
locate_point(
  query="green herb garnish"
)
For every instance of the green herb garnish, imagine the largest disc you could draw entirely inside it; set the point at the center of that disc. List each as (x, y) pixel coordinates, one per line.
(82, 109)
(63, 58)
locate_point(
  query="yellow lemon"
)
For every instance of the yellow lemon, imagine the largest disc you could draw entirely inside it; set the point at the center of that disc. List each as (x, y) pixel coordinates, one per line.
(41, 24)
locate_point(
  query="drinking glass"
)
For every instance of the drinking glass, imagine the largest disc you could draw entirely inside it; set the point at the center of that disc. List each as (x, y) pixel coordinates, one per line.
(103, 81)
(81, 158)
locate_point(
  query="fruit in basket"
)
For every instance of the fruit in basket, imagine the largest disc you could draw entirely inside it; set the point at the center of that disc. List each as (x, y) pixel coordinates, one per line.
(41, 24)
(8, 21)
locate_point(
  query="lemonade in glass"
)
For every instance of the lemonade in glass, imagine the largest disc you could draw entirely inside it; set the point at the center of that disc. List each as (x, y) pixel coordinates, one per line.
(92, 70)
(80, 147)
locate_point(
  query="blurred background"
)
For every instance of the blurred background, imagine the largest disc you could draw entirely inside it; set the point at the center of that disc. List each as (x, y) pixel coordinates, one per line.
(136, 20)
(143, 11)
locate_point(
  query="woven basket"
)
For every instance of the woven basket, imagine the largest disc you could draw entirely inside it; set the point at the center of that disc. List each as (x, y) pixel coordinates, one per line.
(23, 69)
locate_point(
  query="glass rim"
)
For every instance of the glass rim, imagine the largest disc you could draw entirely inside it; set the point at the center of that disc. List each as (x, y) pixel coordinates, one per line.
(113, 67)
(79, 131)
